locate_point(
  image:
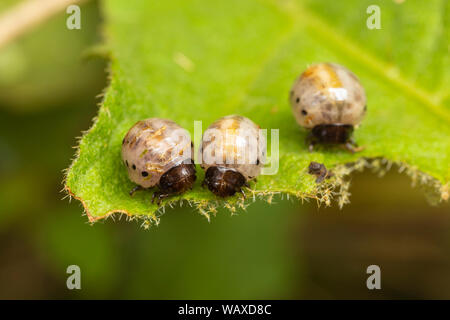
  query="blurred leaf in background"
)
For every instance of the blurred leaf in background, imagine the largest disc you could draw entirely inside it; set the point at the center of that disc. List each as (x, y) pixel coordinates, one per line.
(36, 136)
(46, 68)
(47, 96)
(234, 257)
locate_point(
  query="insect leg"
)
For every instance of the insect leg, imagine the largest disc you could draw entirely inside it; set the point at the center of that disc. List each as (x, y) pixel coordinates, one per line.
(310, 141)
(137, 188)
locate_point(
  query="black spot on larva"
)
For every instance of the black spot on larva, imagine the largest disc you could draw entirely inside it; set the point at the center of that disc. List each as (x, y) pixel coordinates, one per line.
(134, 167)
(297, 100)
(126, 162)
(257, 161)
(304, 112)
(144, 173)
(192, 144)
(123, 141)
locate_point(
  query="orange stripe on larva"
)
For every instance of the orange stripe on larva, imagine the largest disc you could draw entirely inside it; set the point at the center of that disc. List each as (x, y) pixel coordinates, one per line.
(157, 134)
(332, 80)
(323, 76)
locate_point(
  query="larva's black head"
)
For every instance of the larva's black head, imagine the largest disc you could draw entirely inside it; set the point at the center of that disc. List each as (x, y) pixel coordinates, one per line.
(178, 179)
(332, 133)
(337, 133)
(223, 182)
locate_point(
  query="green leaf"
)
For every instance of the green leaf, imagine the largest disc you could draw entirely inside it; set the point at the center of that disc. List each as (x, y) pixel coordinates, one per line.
(200, 60)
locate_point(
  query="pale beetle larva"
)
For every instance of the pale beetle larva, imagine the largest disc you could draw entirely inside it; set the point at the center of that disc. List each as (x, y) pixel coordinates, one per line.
(329, 100)
(158, 152)
(233, 154)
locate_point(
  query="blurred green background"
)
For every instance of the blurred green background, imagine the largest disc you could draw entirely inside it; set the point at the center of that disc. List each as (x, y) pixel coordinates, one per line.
(49, 87)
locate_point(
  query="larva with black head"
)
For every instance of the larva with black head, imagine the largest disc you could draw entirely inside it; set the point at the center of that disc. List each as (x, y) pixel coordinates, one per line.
(328, 100)
(158, 152)
(233, 152)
